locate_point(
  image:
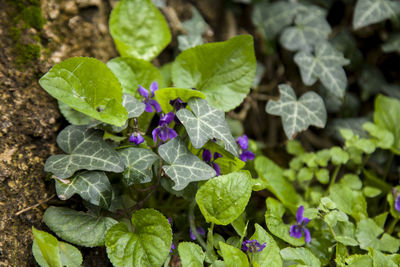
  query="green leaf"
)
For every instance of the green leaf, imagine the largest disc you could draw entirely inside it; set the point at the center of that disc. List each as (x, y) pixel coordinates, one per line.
(139, 29)
(338, 155)
(164, 95)
(272, 177)
(310, 28)
(79, 228)
(72, 116)
(294, 147)
(134, 107)
(226, 83)
(166, 72)
(147, 245)
(269, 256)
(132, 72)
(301, 256)
(92, 186)
(372, 11)
(380, 259)
(387, 116)
(367, 234)
(222, 199)
(49, 252)
(392, 44)
(275, 224)
(183, 167)
(351, 181)
(297, 115)
(88, 86)
(393, 211)
(233, 257)
(370, 191)
(272, 18)
(326, 65)
(345, 233)
(86, 150)
(191, 254)
(350, 201)
(138, 162)
(204, 123)
(322, 176)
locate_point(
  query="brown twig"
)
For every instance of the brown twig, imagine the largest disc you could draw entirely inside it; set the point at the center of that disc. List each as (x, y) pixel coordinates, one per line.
(34, 206)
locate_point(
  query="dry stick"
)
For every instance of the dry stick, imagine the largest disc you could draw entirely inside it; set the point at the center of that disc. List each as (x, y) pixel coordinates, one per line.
(34, 206)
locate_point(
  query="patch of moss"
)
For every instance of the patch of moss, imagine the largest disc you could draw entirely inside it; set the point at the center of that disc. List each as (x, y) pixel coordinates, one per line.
(27, 53)
(33, 17)
(15, 33)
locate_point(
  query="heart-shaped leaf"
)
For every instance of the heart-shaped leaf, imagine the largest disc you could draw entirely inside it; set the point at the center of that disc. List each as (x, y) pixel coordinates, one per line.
(372, 11)
(302, 256)
(298, 115)
(139, 29)
(147, 245)
(325, 65)
(191, 254)
(225, 84)
(138, 162)
(183, 167)
(79, 228)
(86, 150)
(165, 95)
(132, 72)
(222, 199)
(92, 186)
(269, 256)
(204, 122)
(233, 257)
(88, 86)
(74, 117)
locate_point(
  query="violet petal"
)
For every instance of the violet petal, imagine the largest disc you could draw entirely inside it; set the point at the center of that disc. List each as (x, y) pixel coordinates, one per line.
(143, 92)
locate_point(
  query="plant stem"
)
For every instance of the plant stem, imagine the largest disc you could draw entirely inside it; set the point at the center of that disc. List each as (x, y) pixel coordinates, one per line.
(192, 224)
(392, 225)
(335, 173)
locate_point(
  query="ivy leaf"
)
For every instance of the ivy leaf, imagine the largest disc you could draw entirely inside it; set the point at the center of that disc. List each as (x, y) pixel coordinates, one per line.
(138, 162)
(392, 44)
(134, 107)
(183, 167)
(88, 86)
(233, 257)
(132, 72)
(191, 254)
(351, 202)
(367, 233)
(92, 186)
(372, 11)
(222, 199)
(387, 116)
(164, 95)
(147, 245)
(269, 256)
(86, 150)
(298, 115)
(72, 116)
(272, 177)
(49, 252)
(300, 255)
(204, 122)
(225, 84)
(273, 219)
(139, 29)
(272, 18)
(325, 65)
(79, 228)
(311, 27)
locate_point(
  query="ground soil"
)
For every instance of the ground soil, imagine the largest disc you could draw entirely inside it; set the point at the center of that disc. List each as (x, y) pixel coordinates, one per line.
(29, 117)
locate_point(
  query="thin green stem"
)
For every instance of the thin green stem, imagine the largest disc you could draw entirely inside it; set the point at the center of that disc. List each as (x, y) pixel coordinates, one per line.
(192, 224)
(392, 225)
(388, 165)
(335, 173)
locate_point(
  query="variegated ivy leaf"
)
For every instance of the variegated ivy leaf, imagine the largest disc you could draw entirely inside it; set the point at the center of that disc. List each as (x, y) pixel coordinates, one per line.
(310, 28)
(372, 11)
(184, 167)
(138, 162)
(134, 107)
(297, 115)
(392, 44)
(92, 186)
(272, 18)
(204, 123)
(325, 65)
(86, 151)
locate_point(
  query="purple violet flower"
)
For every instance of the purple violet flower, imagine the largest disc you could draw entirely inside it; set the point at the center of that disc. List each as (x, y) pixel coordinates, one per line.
(178, 104)
(163, 131)
(199, 230)
(252, 246)
(299, 228)
(136, 138)
(397, 203)
(207, 159)
(245, 154)
(148, 101)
